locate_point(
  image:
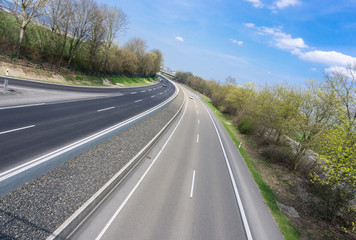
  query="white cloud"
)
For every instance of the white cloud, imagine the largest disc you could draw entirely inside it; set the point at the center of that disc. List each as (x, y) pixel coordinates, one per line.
(282, 40)
(286, 3)
(179, 39)
(250, 25)
(256, 3)
(335, 61)
(329, 58)
(348, 72)
(237, 42)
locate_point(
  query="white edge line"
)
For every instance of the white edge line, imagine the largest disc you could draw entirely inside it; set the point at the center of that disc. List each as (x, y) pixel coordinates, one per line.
(34, 162)
(238, 198)
(101, 234)
(22, 106)
(192, 188)
(17, 129)
(104, 109)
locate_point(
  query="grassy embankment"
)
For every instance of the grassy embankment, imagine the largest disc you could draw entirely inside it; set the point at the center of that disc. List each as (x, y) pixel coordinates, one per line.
(23, 69)
(286, 228)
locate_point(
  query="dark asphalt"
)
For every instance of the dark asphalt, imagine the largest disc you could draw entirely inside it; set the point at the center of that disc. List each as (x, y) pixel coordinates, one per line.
(58, 124)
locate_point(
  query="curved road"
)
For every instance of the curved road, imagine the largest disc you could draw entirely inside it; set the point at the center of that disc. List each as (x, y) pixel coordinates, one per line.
(30, 131)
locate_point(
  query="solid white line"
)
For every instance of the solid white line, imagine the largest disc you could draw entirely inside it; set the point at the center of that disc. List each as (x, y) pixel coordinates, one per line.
(237, 194)
(192, 188)
(17, 129)
(198, 138)
(101, 234)
(104, 109)
(138, 101)
(22, 106)
(16, 170)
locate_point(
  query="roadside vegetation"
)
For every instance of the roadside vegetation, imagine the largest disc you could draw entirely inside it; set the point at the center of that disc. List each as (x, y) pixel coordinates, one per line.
(300, 147)
(74, 35)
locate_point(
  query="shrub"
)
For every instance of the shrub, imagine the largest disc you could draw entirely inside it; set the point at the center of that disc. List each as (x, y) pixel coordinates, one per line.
(279, 154)
(246, 125)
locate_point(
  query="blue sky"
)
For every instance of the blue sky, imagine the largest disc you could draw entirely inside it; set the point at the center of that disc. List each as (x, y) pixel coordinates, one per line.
(264, 41)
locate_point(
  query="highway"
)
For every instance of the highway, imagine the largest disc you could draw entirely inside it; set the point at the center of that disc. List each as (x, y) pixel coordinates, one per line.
(28, 131)
(192, 185)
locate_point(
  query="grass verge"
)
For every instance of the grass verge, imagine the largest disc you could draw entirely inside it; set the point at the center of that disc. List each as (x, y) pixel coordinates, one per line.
(286, 228)
(131, 81)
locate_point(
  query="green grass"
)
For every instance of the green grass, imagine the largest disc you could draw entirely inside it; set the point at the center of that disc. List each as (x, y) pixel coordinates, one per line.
(131, 81)
(286, 228)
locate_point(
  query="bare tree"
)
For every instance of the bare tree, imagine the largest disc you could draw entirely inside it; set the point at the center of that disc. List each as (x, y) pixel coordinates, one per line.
(55, 16)
(230, 81)
(79, 25)
(25, 11)
(96, 36)
(137, 46)
(116, 22)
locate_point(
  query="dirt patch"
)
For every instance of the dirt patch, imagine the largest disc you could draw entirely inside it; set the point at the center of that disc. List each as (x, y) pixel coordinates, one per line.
(20, 71)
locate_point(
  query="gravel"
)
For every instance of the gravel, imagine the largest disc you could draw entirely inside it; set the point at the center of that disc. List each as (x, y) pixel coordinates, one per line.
(39, 207)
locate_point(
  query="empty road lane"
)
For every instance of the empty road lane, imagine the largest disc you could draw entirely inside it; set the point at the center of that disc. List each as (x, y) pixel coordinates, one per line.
(183, 189)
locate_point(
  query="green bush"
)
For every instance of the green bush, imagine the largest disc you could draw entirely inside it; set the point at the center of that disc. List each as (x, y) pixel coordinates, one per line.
(246, 125)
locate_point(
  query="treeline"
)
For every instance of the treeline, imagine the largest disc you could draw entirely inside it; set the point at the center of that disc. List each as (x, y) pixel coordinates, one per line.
(80, 34)
(288, 122)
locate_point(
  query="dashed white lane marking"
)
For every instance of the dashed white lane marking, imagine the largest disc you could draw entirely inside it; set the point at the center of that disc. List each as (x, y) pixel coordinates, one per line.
(105, 109)
(139, 181)
(198, 121)
(133, 93)
(17, 129)
(198, 138)
(192, 188)
(143, 91)
(153, 96)
(138, 101)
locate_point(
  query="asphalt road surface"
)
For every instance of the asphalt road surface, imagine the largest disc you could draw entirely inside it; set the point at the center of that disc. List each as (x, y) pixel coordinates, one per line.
(185, 189)
(31, 130)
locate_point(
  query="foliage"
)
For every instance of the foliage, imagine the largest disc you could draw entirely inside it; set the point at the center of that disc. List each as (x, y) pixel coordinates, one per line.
(321, 117)
(77, 33)
(286, 228)
(246, 125)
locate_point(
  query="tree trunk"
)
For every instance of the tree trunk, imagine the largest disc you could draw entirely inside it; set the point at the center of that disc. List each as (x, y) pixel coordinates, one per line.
(22, 33)
(64, 43)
